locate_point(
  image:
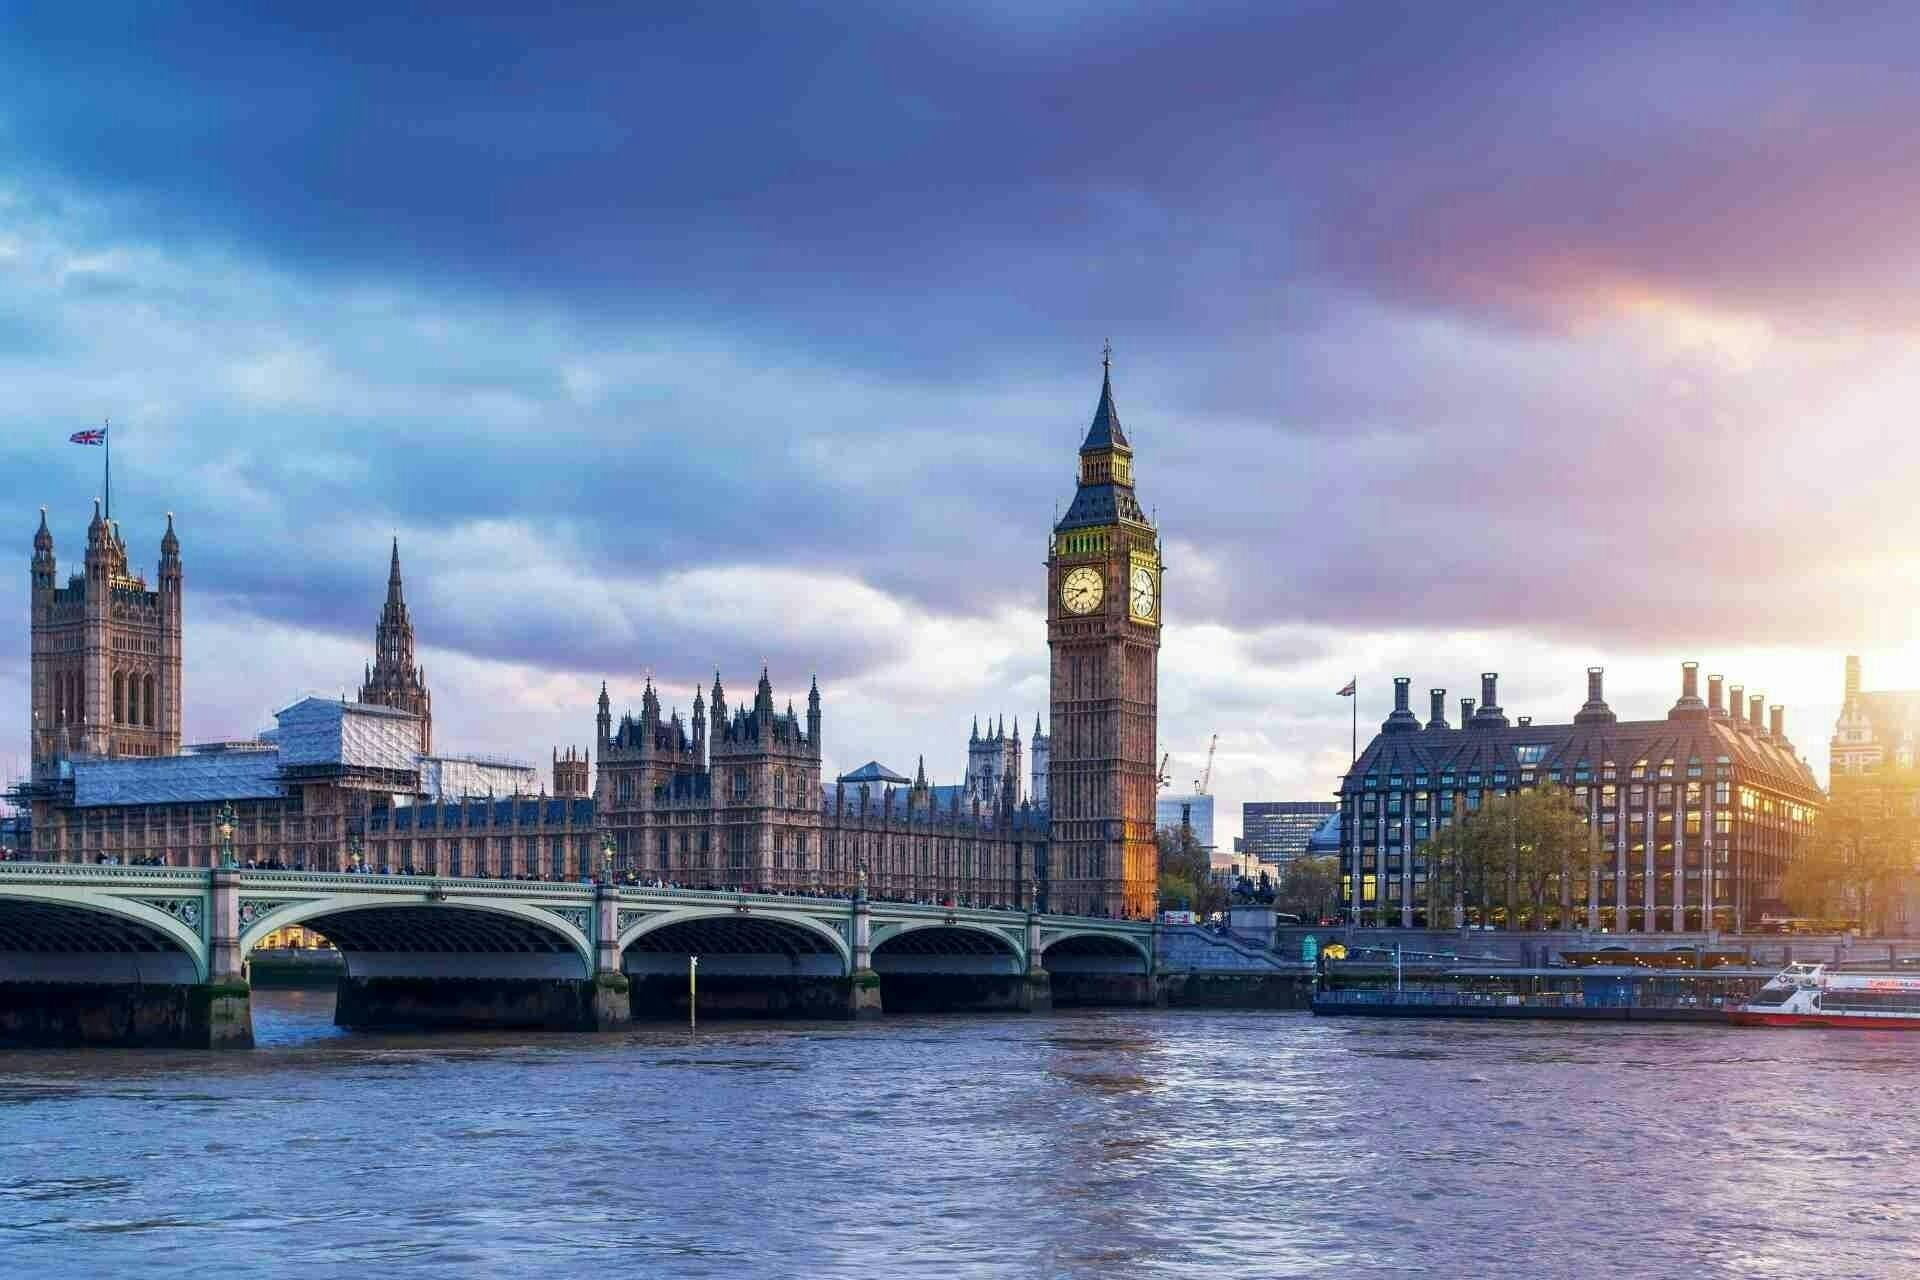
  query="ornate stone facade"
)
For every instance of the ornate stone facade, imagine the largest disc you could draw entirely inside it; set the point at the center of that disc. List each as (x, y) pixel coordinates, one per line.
(1103, 626)
(392, 679)
(993, 758)
(734, 798)
(105, 665)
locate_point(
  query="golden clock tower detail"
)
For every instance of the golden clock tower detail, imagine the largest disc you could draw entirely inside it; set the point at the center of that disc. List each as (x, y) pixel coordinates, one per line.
(1103, 628)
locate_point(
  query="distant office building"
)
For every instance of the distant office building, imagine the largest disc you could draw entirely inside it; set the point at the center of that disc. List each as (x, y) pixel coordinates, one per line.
(1199, 810)
(1277, 831)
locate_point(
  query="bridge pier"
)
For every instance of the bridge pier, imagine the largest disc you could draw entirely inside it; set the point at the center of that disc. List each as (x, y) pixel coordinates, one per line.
(863, 994)
(612, 995)
(1127, 989)
(221, 1012)
(125, 1015)
(481, 1004)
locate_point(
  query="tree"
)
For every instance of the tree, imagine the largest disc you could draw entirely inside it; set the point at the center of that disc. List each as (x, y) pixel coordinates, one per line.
(1309, 888)
(1528, 855)
(1861, 854)
(1186, 873)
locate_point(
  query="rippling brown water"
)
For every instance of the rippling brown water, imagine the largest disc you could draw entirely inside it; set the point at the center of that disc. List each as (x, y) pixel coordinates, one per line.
(1081, 1144)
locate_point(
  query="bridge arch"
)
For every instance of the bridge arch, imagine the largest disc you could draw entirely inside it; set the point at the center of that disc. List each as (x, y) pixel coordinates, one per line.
(52, 934)
(740, 942)
(379, 935)
(937, 945)
(1095, 951)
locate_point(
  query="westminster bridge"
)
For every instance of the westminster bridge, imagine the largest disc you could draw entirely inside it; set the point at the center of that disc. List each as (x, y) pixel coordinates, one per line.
(158, 955)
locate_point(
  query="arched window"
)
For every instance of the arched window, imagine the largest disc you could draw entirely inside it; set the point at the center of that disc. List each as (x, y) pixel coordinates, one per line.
(146, 702)
(779, 788)
(739, 784)
(119, 698)
(135, 712)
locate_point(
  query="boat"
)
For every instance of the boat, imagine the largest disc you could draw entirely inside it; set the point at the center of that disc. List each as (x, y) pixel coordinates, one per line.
(1818, 995)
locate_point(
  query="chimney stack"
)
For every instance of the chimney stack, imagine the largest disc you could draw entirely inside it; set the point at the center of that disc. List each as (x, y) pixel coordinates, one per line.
(1402, 718)
(1777, 722)
(1689, 706)
(1466, 712)
(1736, 707)
(1489, 715)
(1716, 706)
(1526, 721)
(1756, 704)
(1437, 717)
(1596, 710)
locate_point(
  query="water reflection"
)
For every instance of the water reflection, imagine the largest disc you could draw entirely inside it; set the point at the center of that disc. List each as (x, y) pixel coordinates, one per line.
(1080, 1144)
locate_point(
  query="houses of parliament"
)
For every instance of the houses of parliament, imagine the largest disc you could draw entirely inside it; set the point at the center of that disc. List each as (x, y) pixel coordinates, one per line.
(733, 795)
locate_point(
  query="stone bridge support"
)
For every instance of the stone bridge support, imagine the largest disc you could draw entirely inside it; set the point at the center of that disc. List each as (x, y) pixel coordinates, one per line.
(612, 993)
(228, 996)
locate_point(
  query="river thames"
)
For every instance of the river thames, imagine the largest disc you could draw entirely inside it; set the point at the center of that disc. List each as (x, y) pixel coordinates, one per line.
(1078, 1144)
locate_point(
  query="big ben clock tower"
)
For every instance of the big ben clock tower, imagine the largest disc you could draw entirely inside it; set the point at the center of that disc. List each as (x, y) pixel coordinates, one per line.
(1103, 627)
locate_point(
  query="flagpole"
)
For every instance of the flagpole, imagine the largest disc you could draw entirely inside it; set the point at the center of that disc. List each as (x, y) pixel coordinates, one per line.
(106, 435)
(1356, 724)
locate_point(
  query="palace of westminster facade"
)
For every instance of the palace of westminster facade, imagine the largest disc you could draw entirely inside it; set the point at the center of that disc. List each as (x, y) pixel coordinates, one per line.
(732, 797)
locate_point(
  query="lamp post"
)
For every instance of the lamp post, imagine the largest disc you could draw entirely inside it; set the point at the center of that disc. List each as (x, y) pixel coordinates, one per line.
(355, 854)
(606, 857)
(224, 825)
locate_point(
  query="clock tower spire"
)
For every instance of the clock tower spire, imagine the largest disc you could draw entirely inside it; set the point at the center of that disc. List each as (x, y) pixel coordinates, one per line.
(1103, 627)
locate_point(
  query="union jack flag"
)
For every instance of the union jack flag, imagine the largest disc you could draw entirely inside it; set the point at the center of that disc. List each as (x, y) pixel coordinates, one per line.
(1349, 691)
(97, 435)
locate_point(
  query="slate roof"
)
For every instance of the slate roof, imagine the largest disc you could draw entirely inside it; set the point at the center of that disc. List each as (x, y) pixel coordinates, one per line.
(1105, 433)
(874, 773)
(1099, 504)
(892, 806)
(1565, 746)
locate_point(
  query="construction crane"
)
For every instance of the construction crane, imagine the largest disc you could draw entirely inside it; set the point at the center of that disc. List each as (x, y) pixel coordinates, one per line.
(1205, 780)
(1161, 781)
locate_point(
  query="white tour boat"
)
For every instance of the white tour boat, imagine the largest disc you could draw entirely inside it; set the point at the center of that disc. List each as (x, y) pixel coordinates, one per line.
(1817, 995)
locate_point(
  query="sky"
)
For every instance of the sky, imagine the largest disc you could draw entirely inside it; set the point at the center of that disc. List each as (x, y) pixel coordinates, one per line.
(670, 339)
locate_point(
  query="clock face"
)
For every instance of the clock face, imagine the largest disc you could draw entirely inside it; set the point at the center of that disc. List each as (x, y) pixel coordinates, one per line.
(1140, 599)
(1081, 589)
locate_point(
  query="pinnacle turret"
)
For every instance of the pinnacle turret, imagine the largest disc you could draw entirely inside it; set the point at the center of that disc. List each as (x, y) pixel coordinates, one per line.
(1105, 432)
(395, 681)
(395, 595)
